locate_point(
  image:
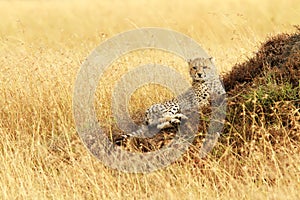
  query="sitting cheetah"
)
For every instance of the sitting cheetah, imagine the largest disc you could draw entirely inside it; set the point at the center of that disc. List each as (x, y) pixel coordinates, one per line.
(169, 114)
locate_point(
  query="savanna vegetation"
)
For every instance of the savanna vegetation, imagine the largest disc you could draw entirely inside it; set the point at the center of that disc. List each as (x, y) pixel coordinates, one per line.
(256, 45)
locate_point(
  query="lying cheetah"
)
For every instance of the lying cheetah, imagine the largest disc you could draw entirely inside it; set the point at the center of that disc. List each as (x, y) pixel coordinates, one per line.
(169, 114)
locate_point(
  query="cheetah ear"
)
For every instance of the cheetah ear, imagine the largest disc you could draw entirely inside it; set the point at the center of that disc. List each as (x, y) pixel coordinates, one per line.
(212, 59)
(189, 61)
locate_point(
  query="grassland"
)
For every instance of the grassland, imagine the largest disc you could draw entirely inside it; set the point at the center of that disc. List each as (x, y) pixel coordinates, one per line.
(43, 44)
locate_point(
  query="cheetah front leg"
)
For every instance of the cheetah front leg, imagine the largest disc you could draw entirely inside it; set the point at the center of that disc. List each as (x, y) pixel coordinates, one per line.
(171, 120)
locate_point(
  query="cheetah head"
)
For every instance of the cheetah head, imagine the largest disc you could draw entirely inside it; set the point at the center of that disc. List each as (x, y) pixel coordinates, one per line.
(199, 67)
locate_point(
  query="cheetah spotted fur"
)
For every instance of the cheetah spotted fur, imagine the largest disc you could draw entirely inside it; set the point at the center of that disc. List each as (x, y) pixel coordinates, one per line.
(169, 114)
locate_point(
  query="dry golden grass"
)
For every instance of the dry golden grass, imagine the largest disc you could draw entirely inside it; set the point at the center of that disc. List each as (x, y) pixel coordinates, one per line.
(43, 44)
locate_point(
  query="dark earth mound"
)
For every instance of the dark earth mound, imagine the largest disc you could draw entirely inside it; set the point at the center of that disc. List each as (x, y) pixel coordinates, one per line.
(279, 56)
(264, 93)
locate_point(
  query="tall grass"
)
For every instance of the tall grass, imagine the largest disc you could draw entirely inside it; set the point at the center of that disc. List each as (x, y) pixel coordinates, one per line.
(43, 44)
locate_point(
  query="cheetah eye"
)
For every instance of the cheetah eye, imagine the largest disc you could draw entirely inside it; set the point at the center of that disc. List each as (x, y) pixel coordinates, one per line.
(205, 67)
(195, 67)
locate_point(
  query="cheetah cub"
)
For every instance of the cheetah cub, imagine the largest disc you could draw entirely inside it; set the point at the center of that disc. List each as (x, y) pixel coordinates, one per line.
(169, 114)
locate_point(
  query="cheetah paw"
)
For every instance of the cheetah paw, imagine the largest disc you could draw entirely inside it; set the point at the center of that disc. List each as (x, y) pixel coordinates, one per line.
(164, 125)
(180, 117)
(175, 121)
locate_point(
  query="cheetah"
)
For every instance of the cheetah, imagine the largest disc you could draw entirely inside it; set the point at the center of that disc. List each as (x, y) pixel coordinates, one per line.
(169, 113)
